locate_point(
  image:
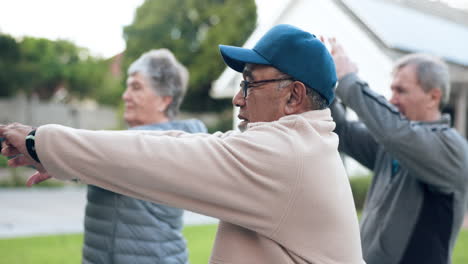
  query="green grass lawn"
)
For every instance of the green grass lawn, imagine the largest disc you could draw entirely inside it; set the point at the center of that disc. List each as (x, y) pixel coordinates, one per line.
(460, 255)
(66, 249)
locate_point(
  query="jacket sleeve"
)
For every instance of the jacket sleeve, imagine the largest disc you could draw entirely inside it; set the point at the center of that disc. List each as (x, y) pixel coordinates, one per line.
(355, 139)
(212, 175)
(172, 133)
(435, 156)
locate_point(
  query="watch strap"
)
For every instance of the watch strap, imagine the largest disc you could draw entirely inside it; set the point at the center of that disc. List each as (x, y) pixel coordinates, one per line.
(31, 145)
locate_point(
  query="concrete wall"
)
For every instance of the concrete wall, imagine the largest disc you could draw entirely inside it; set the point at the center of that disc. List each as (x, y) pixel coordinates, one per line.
(37, 113)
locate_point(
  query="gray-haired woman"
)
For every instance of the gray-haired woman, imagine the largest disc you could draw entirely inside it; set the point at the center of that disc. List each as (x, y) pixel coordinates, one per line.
(121, 229)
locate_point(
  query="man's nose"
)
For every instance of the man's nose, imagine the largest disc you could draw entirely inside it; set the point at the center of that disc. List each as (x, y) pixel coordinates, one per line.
(394, 99)
(238, 99)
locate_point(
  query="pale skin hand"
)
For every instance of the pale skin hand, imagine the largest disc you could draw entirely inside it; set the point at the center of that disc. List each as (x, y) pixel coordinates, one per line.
(343, 63)
(14, 145)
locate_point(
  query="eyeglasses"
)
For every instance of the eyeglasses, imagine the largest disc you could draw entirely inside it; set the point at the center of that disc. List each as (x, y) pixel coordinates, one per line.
(246, 84)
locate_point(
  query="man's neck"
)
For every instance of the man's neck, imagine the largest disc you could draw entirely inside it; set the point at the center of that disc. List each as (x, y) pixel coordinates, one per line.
(432, 116)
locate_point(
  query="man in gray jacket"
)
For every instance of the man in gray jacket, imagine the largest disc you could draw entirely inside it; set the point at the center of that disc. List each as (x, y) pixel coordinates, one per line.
(416, 203)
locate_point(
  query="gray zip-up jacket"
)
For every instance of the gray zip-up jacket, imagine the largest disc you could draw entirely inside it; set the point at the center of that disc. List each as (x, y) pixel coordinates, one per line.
(122, 229)
(416, 203)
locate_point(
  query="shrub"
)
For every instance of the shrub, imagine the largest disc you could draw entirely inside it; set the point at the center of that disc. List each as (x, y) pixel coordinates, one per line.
(360, 185)
(3, 162)
(224, 122)
(17, 177)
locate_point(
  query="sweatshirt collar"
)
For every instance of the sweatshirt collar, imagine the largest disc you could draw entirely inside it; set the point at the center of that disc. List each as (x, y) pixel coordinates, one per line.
(323, 115)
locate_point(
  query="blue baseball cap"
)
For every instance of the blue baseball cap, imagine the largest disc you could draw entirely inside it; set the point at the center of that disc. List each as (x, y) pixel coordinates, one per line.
(292, 51)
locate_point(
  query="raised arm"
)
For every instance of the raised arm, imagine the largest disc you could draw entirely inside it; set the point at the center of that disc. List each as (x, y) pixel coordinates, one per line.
(436, 154)
(355, 139)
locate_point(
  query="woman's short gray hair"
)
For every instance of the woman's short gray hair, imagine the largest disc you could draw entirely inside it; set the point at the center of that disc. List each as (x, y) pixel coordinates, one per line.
(431, 73)
(166, 76)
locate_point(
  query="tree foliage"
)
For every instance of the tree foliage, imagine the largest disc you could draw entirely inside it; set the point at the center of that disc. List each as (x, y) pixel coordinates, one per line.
(110, 88)
(192, 30)
(47, 65)
(44, 64)
(9, 58)
(39, 66)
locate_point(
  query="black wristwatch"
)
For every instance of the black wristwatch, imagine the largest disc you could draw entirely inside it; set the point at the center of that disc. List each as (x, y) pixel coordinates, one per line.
(31, 145)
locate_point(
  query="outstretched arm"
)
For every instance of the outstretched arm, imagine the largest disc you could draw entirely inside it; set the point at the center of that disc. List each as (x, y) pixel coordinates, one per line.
(13, 145)
(211, 175)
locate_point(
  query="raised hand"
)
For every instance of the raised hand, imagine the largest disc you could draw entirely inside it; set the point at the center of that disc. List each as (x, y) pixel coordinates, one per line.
(343, 63)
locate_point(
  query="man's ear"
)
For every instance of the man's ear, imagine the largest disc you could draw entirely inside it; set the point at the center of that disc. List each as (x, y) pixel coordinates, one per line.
(297, 98)
(435, 97)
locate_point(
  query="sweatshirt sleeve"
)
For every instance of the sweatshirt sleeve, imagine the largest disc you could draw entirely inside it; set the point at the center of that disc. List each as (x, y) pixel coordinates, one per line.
(355, 139)
(435, 156)
(212, 175)
(169, 133)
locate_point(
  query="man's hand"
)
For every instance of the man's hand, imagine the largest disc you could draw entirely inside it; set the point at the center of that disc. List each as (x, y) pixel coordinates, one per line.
(14, 139)
(14, 146)
(343, 63)
(37, 178)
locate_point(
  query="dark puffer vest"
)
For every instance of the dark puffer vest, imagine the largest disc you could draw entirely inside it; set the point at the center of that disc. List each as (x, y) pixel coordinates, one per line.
(121, 230)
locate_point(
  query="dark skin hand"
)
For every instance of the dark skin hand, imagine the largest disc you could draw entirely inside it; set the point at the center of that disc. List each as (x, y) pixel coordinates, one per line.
(14, 146)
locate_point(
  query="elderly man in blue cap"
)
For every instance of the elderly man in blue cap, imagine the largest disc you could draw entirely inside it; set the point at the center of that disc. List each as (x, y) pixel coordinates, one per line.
(279, 188)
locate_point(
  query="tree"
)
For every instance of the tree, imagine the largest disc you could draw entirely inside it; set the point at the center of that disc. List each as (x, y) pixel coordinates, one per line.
(47, 65)
(111, 87)
(9, 59)
(44, 65)
(38, 66)
(85, 77)
(192, 30)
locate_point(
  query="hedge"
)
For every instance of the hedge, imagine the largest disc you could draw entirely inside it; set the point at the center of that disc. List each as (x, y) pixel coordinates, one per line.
(359, 186)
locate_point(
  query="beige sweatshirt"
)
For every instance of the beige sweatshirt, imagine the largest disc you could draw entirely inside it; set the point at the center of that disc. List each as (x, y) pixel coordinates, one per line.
(279, 188)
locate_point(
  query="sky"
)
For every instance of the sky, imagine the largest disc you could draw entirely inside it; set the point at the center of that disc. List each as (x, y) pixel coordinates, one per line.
(93, 24)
